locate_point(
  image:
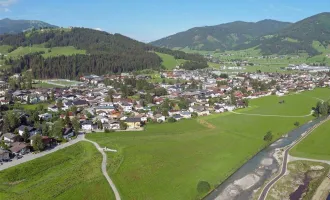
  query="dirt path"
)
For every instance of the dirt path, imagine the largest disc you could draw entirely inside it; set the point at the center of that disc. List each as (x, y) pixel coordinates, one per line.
(104, 169)
(206, 124)
(261, 115)
(323, 190)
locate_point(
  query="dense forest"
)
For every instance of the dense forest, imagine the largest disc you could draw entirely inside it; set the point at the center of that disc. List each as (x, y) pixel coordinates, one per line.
(71, 67)
(106, 53)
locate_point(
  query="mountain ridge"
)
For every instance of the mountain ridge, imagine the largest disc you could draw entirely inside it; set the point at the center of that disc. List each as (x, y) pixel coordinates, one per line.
(270, 36)
(11, 26)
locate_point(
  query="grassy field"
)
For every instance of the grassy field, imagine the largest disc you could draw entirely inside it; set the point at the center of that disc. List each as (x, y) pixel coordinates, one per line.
(71, 173)
(33, 106)
(169, 61)
(316, 145)
(167, 161)
(55, 51)
(45, 85)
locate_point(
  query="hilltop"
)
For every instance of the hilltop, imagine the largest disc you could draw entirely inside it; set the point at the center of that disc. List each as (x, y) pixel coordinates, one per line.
(18, 26)
(85, 51)
(271, 37)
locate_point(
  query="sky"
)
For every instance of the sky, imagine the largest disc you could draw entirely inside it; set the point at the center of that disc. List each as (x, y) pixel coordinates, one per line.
(149, 20)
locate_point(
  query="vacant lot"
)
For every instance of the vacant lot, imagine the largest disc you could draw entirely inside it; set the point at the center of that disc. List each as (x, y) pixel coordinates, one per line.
(167, 161)
(316, 145)
(71, 173)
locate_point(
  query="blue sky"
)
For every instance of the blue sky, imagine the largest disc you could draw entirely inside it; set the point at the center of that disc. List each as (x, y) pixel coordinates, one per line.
(148, 20)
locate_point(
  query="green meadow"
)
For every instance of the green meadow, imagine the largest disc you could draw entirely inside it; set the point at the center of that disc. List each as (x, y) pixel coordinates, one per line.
(70, 173)
(316, 145)
(166, 161)
(169, 62)
(49, 52)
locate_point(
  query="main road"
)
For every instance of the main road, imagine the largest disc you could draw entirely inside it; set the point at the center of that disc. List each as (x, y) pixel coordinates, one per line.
(266, 189)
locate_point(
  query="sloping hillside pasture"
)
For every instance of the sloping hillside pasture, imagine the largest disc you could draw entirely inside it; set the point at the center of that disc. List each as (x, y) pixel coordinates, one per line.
(71, 173)
(166, 161)
(48, 52)
(169, 62)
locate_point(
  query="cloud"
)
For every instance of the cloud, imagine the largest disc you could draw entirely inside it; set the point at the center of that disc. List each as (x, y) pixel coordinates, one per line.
(98, 29)
(6, 3)
(7, 10)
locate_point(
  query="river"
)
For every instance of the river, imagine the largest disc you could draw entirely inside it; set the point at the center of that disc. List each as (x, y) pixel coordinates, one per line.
(255, 170)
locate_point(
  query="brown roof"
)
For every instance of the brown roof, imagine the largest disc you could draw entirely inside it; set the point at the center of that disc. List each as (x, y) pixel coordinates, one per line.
(17, 146)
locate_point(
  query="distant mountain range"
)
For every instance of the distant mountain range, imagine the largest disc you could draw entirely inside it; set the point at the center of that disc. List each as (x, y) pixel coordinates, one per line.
(270, 36)
(17, 26)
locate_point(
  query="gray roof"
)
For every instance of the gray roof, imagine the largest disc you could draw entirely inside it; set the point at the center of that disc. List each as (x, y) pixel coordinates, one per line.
(9, 135)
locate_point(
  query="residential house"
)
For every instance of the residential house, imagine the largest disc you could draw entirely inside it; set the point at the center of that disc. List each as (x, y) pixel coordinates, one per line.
(68, 133)
(186, 114)
(87, 125)
(32, 131)
(159, 118)
(127, 107)
(20, 148)
(114, 125)
(133, 122)
(4, 154)
(45, 116)
(10, 137)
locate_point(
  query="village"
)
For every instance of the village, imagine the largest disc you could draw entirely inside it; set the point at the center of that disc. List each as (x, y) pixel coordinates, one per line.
(129, 102)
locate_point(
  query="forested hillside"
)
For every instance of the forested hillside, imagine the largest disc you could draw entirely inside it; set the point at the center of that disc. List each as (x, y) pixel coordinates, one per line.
(221, 37)
(296, 38)
(271, 37)
(106, 53)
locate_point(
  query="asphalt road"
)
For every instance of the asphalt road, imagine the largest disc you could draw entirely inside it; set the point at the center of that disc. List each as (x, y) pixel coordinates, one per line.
(266, 189)
(31, 156)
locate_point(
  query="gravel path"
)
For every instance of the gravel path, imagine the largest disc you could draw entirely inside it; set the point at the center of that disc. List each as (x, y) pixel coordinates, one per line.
(104, 169)
(292, 158)
(31, 156)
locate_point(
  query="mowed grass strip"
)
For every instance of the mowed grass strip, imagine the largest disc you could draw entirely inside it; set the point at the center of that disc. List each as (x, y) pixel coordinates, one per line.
(316, 145)
(71, 173)
(166, 161)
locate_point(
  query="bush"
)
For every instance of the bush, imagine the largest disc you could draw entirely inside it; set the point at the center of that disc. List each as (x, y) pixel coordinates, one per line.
(203, 187)
(268, 137)
(296, 123)
(171, 120)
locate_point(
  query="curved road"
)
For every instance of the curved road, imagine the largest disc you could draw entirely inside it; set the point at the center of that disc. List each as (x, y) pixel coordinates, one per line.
(104, 169)
(266, 189)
